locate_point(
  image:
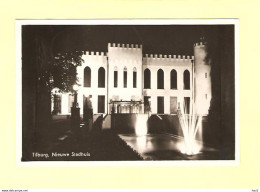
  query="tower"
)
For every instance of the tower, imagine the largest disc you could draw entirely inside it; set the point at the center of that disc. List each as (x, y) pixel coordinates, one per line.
(202, 79)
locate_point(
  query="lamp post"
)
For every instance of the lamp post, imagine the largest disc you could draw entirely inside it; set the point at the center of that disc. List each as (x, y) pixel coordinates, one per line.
(149, 107)
(75, 88)
(75, 110)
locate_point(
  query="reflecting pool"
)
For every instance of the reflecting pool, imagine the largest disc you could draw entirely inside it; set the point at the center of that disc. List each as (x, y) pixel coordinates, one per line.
(165, 147)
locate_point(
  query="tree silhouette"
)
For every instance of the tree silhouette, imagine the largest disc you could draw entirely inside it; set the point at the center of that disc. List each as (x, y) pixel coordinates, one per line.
(63, 74)
(42, 70)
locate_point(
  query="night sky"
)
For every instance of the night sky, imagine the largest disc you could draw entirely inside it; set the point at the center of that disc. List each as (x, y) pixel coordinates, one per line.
(156, 39)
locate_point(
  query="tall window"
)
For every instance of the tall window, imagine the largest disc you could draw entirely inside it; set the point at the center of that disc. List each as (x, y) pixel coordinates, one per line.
(147, 107)
(186, 79)
(147, 79)
(101, 104)
(160, 79)
(87, 77)
(115, 77)
(160, 105)
(125, 77)
(187, 105)
(101, 77)
(134, 78)
(173, 105)
(173, 79)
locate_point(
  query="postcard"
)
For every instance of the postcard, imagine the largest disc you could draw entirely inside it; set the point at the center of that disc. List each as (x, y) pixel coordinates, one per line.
(128, 91)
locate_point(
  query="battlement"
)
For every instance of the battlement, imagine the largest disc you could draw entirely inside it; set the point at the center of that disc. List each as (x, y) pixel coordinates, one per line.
(200, 44)
(94, 53)
(124, 52)
(126, 46)
(169, 57)
(94, 58)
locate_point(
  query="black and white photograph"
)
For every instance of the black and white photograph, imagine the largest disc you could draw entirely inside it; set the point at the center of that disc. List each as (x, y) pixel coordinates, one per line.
(147, 91)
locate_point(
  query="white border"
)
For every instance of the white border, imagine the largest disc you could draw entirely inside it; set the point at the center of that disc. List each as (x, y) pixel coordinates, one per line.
(18, 39)
(137, 190)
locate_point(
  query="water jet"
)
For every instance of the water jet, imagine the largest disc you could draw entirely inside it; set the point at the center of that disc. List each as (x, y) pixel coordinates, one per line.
(190, 124)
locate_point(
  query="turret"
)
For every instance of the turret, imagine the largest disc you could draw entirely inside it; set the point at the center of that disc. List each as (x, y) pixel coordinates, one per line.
(202, 76)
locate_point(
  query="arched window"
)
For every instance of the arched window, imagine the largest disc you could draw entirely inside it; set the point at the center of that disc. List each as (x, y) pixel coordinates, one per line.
(125, 77)
(186, 79)
(173, 79)
(101, 77)
(115, 77)
(87, 77)
(147, 79)
(134, 77)
(160, 79)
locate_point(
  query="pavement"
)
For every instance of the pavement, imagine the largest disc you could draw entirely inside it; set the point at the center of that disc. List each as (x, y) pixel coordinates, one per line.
(60, 143)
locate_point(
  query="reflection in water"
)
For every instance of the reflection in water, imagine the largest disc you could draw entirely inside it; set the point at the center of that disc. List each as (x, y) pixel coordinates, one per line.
(159, 146)
(142, 143)
(149, 145)
(182, 146)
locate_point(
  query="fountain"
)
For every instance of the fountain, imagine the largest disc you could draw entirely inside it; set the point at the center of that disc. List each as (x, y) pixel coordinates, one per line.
(141, 124)
(190, 124)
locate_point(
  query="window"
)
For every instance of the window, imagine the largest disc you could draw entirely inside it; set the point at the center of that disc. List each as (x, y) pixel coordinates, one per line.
(173, 79)
(101, 104)
(186, 79)
(101, 77)
(206, 75)
(173, 105)
(87, 77)
(147, 107)
(134, 78)
(147, 79)
(125, 77)
(160, 79)
(160, 105)
(87, 107)
(115, 77)
(186, 105)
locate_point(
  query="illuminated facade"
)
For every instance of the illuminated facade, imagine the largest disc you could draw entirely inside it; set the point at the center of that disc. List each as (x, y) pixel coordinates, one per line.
(138, 83)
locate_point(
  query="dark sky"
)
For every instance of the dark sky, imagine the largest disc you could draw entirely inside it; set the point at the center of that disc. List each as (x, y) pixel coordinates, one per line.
(156, 39)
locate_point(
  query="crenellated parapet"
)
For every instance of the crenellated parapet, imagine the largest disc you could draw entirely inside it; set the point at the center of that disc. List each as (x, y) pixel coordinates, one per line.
(200, 44)
(175, 58)
(94, 53)
(167, 60)
(200, 53)
(124, 53)
(94, 57)
(125, 46)
(91, 58)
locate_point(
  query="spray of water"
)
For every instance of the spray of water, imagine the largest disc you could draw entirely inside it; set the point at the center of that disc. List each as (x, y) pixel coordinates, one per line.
(190, 124)
(141, 124)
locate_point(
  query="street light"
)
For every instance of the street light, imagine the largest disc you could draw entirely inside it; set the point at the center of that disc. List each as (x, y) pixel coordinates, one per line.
(149, 107)
(75, 88)
(75, 110)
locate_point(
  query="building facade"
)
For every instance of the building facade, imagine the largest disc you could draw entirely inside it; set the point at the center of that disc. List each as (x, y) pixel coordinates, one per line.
(124, 80)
